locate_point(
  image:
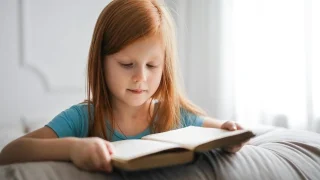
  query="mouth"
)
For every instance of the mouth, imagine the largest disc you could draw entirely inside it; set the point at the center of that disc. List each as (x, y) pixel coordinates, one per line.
(137, 91)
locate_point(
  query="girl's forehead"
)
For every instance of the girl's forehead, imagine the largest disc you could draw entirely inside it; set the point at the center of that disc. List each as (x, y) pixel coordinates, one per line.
(151, 44)
(147, 41)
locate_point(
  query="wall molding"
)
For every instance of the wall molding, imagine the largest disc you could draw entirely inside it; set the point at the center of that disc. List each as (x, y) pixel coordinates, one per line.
(45, 83)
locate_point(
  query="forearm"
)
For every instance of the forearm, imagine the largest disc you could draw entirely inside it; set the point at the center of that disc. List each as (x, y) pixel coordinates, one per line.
(212, 123)
(33, 149)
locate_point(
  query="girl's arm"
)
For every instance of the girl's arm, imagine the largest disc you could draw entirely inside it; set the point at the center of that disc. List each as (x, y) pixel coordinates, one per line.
(228, 125)
(211, 122)
(214, 123)
(39, 145)
(43, 145)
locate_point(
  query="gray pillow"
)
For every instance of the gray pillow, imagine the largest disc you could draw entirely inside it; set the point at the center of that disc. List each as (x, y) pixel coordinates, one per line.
(273, 154)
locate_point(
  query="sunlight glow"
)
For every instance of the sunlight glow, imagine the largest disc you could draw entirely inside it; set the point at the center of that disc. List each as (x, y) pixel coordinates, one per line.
(270, 60)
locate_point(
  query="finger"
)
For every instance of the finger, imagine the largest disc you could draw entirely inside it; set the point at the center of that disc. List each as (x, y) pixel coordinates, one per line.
(238, 126)
(236, 146)
(106, 158)
(107, 166)
(110, 147)
(228, 149)
(232, 126)
(233, 149)
(106, 163)
(229, 125)
(95, 162)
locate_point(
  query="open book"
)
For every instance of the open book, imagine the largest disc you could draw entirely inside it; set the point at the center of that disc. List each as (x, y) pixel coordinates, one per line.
(172, 147)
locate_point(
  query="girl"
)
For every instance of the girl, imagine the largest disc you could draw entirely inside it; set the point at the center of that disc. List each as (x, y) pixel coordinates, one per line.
(132, 92)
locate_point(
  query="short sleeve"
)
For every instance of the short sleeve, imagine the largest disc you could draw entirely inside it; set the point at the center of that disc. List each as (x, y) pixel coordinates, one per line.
(190, 119)
(72, 122)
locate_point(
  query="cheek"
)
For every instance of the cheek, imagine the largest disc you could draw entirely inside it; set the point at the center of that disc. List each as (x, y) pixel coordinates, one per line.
(113, 77)
(118, 80)
(155, 80)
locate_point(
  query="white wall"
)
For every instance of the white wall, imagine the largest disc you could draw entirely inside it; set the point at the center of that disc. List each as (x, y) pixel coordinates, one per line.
(43, 52)
(207, 80)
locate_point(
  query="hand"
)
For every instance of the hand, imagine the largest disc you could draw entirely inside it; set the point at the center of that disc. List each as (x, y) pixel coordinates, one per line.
(92, 154)
(232, 126)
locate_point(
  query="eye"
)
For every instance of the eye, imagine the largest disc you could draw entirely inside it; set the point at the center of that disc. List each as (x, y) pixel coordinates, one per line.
(151, 66)
(129, 65)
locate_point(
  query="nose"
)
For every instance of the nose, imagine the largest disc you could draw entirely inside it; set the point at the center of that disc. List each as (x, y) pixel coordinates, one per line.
(140, 74)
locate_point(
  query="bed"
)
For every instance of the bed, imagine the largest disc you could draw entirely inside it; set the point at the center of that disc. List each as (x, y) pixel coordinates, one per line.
(275, 153)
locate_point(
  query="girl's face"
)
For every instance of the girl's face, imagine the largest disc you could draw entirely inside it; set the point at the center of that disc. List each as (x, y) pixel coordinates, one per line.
(133, 74)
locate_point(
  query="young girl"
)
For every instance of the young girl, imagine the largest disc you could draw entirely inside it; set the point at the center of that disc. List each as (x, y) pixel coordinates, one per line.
(132, 92)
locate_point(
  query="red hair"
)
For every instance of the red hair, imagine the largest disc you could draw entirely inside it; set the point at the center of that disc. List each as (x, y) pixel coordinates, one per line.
(120, 23)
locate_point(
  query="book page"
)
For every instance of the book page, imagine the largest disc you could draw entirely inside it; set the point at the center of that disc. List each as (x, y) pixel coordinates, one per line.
(190, 137)
(134, 148)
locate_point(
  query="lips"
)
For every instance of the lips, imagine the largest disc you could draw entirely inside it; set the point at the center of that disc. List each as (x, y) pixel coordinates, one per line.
(137, 91)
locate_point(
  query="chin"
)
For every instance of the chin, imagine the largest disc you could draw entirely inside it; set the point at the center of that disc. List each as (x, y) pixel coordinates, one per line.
(137, 102)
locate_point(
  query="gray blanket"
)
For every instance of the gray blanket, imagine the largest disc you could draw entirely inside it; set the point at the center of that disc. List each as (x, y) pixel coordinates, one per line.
(274, 154)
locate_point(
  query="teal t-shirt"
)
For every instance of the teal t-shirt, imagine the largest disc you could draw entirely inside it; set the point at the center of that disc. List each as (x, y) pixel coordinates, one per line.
(74, 122)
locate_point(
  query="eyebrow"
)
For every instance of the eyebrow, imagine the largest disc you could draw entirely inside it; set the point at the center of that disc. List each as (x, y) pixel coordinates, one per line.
(152, 57)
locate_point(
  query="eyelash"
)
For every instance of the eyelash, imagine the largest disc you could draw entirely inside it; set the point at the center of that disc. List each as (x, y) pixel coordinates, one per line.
(126, 65)
(131, 64)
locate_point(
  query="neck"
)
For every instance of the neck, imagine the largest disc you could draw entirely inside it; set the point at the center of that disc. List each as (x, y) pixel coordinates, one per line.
(124, 114)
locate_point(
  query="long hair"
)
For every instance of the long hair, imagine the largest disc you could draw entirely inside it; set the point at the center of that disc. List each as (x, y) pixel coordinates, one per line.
(120, 23)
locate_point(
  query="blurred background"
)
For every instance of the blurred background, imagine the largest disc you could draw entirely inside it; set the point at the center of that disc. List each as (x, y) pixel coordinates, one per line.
(253, 61)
